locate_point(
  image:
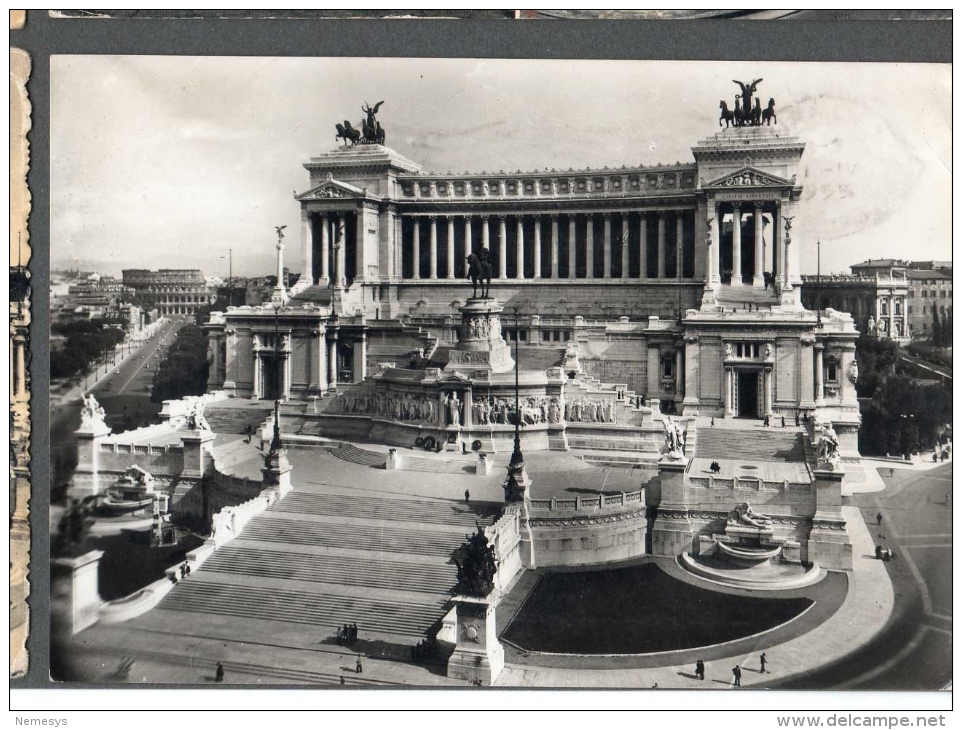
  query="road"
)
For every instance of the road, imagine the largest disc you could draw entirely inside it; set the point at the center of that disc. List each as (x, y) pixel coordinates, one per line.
(126, 402)
(914, 649)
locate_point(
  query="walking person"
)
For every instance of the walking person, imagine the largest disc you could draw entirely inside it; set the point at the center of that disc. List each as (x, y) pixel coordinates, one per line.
(878, 519)
(763, 662)
(467, 496)
(736, 676)
(358, 669)
(713, 422)
(700, 669)
(219, 673)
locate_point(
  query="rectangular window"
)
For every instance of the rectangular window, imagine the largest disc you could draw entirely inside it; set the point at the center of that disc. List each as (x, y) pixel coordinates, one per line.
(831, 373)
(910, 309)
(925, 294)
(942, 294)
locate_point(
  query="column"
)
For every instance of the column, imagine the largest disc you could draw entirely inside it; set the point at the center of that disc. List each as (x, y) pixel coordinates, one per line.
(607, 246)
(758, 280)
(341, 251)
(468, 243)
(807, 369)
(21, 378)
(727, 391)
(554, 245)
(307, 247)
(643, 246)
(519, 248)
(468, 405)
(485, 233)
(332, 360)
(767, 404)
(503, 248)
(589, 247)
(416, 249)
(537, 247)
(662, 273)
(679, 244)
(322, 367)
(572, 258)
(451, 247)
(360, 363)
(691, 376)
(433, 253)
(891, 332)
(679, 376)
(625, 237)
(819, 374)
(258, 391)
(325, 273)
(736, 244)
(786, 266)
(714, 265)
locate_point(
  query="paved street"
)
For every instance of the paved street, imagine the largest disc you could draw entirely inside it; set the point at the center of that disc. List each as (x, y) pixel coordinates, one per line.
(914, 648)
(129, 387)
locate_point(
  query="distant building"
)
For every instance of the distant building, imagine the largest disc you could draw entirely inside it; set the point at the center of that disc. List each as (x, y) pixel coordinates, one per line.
(897, 294)
(876, 301)
(177, 292)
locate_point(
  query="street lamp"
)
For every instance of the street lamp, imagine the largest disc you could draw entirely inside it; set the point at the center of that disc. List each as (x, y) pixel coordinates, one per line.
(818, 283)
(276, 439)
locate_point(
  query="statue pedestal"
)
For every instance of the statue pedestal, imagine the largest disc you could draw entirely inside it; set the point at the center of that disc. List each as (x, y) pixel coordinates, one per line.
(481, 345)
(277, 473)
(478, 657)
(828, 543)
(77, 582)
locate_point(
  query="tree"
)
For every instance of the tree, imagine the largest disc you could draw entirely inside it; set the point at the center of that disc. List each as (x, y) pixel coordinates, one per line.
(946, 330)
(936, 326)
(184, 370)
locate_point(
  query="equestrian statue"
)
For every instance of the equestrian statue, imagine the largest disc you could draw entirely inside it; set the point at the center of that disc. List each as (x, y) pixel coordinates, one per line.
(479, 272)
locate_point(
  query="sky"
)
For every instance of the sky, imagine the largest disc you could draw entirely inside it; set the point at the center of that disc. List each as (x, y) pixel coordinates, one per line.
(170, 162)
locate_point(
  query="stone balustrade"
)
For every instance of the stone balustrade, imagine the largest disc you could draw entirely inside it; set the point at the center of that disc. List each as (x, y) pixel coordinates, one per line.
(612, 502)
(754, 483)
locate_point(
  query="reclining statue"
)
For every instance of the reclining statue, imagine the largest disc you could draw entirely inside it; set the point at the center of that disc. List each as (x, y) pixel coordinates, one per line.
(744, 514)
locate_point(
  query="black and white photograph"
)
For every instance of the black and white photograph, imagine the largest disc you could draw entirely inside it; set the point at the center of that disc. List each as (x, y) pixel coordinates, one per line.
(481, 374)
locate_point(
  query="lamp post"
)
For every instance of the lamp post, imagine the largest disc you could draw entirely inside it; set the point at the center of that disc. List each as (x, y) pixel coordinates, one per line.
(517, 481)
(818, 283)
(276, 439)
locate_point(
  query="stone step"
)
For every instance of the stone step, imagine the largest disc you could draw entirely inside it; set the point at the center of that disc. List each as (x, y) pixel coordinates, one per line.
(601, 459)
(327, 610)
(441, 512)
(354, 455)
(375, 537)
(781, 445)
(642, 445)
(260, 562)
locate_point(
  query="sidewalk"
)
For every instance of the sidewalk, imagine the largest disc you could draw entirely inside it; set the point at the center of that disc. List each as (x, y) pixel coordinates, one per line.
(867, 606)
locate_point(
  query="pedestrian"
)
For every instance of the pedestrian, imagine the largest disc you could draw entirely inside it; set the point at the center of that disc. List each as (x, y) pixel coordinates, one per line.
(713, 422)
(467, 496)
(353, 632)
(342, 679)
(763, 662)
(878, 552)
(358, 669)
(783, 421)
(798, 421)
(878, 519)
(219, 673)
(736, 676)
(700, 669)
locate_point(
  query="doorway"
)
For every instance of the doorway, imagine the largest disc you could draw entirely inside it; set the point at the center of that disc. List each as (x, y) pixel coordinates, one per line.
(270, 385)
(747, 394)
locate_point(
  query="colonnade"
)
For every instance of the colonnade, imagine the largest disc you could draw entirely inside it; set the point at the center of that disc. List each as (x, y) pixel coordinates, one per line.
(547, 253)
(779, 260)
(325, 245)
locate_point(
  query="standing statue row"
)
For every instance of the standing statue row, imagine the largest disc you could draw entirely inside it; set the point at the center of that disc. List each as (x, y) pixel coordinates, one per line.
(370, 130)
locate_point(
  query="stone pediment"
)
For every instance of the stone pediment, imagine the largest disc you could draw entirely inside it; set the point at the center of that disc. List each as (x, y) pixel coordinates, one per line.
(748, 177)
(332, 188)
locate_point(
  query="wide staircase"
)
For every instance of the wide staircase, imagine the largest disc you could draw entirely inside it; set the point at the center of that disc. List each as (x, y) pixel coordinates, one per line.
(324, 560)
(752, 445)
(739, 296)
(234, 419)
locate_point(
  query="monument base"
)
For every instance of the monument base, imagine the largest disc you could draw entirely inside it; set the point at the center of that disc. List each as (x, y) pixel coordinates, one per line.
(478, 657)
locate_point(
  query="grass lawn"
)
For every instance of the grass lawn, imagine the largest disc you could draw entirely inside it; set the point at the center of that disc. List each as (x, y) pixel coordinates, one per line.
(637, 610)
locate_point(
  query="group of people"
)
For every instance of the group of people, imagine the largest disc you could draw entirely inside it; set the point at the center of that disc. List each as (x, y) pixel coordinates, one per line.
(736, 670)
(770, 421)
(885, 554)
(347, 634)
(425, 650)
(184, 570)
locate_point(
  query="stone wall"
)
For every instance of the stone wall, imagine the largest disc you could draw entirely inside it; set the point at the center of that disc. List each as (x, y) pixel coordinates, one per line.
(588, 530)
